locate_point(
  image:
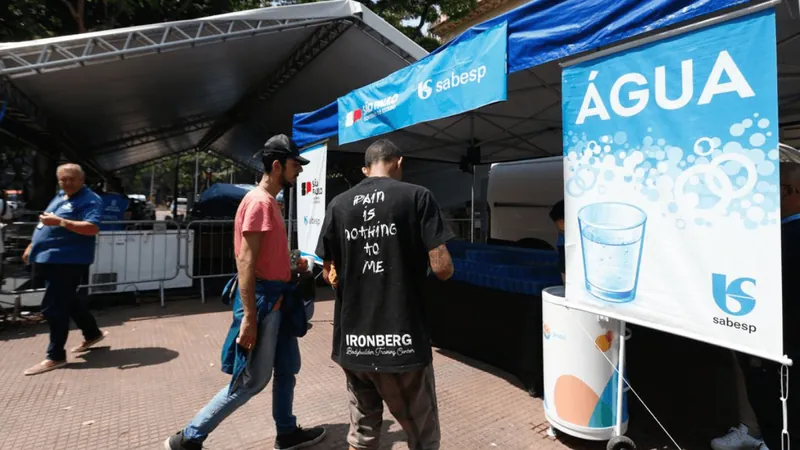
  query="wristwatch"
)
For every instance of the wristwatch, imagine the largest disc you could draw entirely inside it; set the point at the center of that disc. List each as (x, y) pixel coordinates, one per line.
(62, 223)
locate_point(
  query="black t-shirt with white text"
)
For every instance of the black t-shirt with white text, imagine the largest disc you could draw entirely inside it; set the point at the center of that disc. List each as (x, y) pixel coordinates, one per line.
(378, 235)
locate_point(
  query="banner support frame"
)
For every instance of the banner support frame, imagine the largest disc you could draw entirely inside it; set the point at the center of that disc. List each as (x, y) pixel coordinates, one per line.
(752, 9)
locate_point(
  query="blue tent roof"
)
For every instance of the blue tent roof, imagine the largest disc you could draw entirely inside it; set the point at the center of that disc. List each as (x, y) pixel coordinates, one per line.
(539, 32)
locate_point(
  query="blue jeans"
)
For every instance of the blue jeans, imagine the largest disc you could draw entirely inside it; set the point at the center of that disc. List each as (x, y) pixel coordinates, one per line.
(274, 352)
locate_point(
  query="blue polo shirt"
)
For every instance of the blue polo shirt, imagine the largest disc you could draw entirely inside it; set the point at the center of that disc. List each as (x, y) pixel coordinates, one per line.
(57, 245)
(114, 207)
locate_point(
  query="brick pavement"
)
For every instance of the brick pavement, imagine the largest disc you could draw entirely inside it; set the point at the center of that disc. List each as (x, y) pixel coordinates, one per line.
(159, 366)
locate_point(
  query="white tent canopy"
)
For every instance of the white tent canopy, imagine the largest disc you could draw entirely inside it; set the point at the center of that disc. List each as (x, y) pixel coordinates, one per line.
(117, 98)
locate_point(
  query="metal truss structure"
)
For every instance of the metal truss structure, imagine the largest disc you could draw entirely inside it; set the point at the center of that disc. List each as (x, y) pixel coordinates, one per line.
(318, 26)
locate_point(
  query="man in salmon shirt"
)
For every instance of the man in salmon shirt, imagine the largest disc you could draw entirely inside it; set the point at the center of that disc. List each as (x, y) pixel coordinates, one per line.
(260, 341)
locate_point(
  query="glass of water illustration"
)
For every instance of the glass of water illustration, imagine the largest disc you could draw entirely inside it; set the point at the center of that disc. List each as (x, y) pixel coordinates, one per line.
(612, 235)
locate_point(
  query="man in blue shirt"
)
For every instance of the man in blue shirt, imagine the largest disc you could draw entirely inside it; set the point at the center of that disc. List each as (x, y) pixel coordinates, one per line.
(61, 251)
(115, 207)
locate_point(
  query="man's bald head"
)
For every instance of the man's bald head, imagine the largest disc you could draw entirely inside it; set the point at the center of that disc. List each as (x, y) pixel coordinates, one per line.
(72, 168)
(70, 178)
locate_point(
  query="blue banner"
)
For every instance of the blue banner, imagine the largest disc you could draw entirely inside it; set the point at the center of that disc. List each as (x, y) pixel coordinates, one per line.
(461, 78)
(672, 191)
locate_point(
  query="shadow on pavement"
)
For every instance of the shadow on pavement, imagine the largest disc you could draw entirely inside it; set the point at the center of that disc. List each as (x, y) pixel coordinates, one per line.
(123, 358)
(482, 366)
(110, 316)
(336, 438)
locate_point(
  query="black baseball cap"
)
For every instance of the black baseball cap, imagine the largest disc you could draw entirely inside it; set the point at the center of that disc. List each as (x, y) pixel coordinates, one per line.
(280, 144)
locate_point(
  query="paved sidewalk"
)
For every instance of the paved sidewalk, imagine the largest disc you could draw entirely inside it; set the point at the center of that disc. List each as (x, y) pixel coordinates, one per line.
(159, 366)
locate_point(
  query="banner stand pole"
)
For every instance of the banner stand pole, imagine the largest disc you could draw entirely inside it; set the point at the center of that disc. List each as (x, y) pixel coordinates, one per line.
(291, 215)
(620, 379)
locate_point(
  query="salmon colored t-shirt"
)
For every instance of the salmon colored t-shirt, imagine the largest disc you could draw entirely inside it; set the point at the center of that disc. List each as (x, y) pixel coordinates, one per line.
(260, 212)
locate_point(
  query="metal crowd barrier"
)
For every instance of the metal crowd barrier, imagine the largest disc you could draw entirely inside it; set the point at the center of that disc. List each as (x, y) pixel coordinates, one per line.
(213, 250)
(140, 256)
(129, 255)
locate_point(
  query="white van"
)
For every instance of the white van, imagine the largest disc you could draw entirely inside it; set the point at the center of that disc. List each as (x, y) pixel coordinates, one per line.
(519, 198)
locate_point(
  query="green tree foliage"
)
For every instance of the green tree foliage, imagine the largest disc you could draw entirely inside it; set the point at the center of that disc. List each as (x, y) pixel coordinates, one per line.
(32, 19)
(413, 17)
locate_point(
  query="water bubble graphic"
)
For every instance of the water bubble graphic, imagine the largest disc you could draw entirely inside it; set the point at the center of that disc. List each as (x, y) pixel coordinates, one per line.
(662, 142)
(741, 181)
(649, 129)
(606, 149)
(749, 224)
(763, 123)
(766, 168)
(747, 123)
(621, 154)
(604, 139)
(755, 214)
(774, 154)
(769, 133)
(758, 198)
(704, 146)
(574, 139)
(680, 223)
(699, 221)
(737, 130)
(756, 155)
(663, 167)
(745, 204)
(757, 140)
(755, 114)
(674, 153)
(620, 137)
(660, 155)
(648, 141)
(673, 207)
(691, 158)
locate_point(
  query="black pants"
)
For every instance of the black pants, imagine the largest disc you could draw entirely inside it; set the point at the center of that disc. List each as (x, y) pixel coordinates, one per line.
(762, 378)
(62, 302)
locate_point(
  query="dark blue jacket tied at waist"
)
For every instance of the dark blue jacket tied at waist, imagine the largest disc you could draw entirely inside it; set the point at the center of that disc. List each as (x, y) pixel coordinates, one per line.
(295, 310)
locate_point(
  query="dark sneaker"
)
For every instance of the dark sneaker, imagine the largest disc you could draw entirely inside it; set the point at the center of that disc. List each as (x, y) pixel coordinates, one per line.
(299, 438)
(177, 442)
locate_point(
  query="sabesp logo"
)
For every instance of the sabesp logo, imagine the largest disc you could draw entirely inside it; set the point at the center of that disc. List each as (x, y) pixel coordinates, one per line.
(311, 220)
(426, 88)
(741, 303)
(733, 300)
(546, 331)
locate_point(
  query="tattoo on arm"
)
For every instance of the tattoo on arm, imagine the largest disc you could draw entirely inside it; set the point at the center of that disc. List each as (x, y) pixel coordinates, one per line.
(441, 262)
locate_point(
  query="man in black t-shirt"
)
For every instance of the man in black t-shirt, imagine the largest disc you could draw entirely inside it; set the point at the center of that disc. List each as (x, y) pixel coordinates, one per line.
(381, 236)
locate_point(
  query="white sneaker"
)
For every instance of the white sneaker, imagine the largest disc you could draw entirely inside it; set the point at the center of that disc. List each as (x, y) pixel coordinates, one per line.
(738, 439)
